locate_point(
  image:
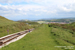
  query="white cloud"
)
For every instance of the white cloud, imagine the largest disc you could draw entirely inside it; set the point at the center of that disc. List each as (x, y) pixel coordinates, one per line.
(15, 10)
(65, 9)
(41, 7)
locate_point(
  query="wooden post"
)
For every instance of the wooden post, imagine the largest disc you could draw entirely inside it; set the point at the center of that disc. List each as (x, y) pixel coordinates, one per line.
(8, 32)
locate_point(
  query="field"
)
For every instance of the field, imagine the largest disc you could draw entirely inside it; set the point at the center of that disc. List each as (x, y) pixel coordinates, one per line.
(39, 39)
(41, 21)
(44, 38)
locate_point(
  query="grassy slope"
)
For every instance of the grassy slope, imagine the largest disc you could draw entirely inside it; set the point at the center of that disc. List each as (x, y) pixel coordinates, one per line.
(4, 21)
(63, 37)
(12, 26)
(39, 39)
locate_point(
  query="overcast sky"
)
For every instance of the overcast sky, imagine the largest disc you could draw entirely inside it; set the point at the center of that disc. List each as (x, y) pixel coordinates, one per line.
(37, 9)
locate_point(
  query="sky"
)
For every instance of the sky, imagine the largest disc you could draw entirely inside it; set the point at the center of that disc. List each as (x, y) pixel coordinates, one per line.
(37, 9)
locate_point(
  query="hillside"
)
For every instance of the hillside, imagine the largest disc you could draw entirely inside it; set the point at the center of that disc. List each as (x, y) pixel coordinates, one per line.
(12, 26)
(4, 21)
(29, 22)
(62, 20)
(66, 20)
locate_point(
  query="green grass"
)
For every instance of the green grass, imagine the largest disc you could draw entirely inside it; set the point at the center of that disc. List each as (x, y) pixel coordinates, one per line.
(12, 26)
(63, 37)
(4, 21)
(17, 27)
(39, 39)
(44, 38)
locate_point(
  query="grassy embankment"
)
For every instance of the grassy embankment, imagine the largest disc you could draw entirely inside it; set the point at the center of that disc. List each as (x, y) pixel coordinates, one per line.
(64, 34)
(39, 39)
(63, 38)
(12, 26)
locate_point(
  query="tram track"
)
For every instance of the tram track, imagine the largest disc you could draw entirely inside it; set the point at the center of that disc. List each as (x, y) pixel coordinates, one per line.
(13, 36)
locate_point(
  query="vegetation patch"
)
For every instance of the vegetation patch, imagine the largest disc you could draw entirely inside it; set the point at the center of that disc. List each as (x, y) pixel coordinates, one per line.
(39, 39)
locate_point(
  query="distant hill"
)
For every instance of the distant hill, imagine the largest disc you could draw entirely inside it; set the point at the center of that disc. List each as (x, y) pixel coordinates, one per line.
(4, 21)
(62, 20)
(66, 20)
(28, 22)
(23, 20)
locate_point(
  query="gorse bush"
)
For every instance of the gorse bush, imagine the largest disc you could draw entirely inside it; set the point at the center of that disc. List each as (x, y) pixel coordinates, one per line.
(70, 26)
